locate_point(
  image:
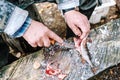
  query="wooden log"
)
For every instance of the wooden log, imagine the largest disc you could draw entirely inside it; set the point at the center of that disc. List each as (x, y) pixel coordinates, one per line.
(104, 51)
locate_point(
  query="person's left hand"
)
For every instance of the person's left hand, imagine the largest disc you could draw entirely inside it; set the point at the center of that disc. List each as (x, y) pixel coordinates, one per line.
(78, 23)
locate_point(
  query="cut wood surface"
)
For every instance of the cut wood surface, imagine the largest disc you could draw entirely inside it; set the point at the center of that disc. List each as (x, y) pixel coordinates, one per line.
(104, 51)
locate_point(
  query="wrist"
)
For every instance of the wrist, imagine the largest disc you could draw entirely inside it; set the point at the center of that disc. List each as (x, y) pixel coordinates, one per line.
(70, 9)
(23, 28)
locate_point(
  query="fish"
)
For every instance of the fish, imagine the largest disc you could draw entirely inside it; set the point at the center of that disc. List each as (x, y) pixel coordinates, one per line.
(84, 52)
(82, 49)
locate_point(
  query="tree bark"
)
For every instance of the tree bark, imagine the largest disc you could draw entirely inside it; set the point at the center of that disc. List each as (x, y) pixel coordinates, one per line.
(104, 51)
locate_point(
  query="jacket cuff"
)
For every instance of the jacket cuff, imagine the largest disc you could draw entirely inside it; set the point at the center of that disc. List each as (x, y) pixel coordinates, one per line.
(16, 20)
(23, 29)
(68, 4)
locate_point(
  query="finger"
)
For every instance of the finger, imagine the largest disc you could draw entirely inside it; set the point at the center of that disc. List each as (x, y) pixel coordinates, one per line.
(87, 25)
(55, 37)
(33, 44)
(85, 29)
(77, 42)
(87, 22)
(84, 35)
(75, 29)
(46, 41)
(40, 43)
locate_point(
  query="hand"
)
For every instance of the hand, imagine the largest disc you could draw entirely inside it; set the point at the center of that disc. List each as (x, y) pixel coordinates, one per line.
(78, 23)
(39, 35)
(79, 42)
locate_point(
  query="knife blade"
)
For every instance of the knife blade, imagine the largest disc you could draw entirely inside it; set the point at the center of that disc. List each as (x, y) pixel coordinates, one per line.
(66, 45)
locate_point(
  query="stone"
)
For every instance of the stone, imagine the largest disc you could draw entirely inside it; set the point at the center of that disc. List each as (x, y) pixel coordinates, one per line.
(49, 14)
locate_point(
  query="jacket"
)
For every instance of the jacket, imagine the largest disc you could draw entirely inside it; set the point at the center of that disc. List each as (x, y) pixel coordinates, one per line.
(14, 20)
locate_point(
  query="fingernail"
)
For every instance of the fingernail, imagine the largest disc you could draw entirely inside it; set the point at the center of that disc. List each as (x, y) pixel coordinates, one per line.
(61, 42)
(81, 37)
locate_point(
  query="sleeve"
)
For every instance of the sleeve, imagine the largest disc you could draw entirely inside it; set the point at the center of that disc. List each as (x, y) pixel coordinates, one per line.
(12, 18)
(85, 5)
(67, 4)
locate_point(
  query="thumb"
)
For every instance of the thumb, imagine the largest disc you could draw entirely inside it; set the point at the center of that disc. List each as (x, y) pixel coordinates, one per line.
(84, 35)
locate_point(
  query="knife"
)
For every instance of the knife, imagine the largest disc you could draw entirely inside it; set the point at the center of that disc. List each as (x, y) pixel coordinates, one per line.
(66, 45)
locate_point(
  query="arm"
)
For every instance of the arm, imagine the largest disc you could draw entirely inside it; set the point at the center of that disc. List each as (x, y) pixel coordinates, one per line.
(15, 22)
(66, 4)
(77, 20)
(11, 18)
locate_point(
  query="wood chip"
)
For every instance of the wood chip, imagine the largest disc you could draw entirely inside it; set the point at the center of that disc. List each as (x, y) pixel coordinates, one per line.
(18, 55)
(62, 76)
(36, 65)
(111, 72)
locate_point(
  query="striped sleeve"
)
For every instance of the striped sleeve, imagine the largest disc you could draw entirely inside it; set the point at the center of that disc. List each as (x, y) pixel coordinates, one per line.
(11, 17)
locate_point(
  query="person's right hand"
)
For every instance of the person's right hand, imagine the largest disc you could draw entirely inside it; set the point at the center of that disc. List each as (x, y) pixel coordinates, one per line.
(79, 24)
(39, 35)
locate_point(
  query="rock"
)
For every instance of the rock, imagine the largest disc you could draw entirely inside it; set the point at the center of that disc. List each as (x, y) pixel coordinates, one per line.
(49, 14)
